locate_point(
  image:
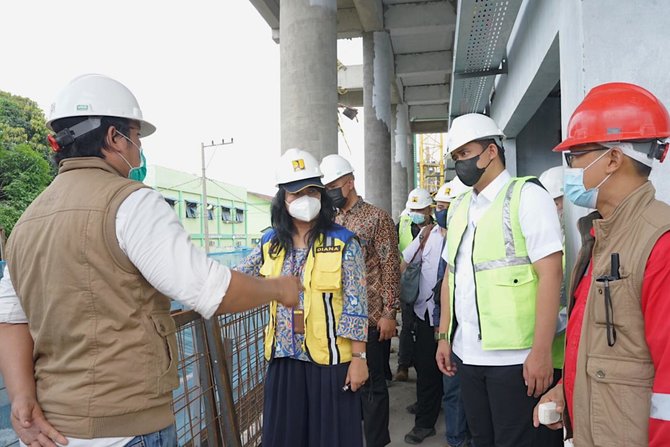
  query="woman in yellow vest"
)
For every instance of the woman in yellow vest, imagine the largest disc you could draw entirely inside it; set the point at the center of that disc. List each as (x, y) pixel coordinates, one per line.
(317, 349)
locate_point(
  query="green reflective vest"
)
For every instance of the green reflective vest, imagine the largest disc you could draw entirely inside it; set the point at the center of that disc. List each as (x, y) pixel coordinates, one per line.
(404, 232)
(505, 280)
(323, 300)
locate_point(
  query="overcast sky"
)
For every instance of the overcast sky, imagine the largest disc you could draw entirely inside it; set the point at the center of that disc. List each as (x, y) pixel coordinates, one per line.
(202, 71)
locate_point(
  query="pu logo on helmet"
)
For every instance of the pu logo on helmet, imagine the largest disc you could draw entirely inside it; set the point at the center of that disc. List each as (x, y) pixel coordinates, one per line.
(82, 107)
(447, 191)
(415, 199)
(298, 165)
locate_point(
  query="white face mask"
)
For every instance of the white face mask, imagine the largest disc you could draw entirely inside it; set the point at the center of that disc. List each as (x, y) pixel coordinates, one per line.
(305, 208)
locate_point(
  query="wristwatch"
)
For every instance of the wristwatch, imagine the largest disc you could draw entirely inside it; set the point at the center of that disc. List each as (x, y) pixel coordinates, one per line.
(360, 355)
(441, 336)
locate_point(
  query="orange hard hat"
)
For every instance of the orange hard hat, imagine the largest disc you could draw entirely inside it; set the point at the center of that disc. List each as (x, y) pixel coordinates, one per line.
(617, 111)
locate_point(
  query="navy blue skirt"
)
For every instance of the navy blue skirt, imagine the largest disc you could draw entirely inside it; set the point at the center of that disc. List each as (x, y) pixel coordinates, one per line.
(305, 406)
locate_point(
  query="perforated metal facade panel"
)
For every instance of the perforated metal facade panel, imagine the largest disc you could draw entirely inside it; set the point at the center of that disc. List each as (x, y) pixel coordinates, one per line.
(482, 33)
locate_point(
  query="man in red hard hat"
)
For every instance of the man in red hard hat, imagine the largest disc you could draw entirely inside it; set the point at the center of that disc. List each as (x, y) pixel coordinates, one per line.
(616, 378)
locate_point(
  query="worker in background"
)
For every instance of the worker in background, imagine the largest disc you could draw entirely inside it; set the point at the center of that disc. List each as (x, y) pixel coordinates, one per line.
(317, 349)
(87, 338)
(500, 299)
(377, 234)
(425, 250)
(616, 379)
(411, 223)
(457, 432)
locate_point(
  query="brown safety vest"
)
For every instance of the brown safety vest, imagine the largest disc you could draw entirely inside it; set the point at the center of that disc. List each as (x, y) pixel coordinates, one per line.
(104, 341)
(612, 394)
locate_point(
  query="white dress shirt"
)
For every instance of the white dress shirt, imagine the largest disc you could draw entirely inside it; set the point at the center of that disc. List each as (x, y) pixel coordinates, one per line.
(542, 232)
(431, 261)
(150, 234)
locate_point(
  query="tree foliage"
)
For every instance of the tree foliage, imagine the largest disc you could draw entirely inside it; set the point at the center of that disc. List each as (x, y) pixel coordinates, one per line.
(24, 156)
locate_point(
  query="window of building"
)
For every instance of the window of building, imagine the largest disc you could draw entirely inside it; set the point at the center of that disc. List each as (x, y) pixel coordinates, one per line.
(171, 202)
(210, 211)
(226, 214)
(239, 215)
(191, 209)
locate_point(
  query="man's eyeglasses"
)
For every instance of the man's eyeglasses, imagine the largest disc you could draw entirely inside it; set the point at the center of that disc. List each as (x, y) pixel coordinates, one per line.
(571, 155)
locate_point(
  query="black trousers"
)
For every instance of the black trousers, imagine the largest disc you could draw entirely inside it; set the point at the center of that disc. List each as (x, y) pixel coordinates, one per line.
(497, 408)
(375, 394)
(428, 376)
(407, 334)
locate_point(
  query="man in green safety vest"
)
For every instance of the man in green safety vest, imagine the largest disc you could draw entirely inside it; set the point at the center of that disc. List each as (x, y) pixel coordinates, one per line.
(500, 297)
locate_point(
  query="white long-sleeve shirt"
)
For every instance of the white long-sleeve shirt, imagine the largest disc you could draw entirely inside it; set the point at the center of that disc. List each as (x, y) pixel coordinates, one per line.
(150, 234)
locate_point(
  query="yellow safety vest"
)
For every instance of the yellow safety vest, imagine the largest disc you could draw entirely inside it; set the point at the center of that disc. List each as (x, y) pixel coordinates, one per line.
(323, 300)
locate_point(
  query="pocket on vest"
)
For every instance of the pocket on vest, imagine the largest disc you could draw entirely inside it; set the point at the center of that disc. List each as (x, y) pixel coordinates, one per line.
(511, 308)
(626, 310)
(166, 353)
(327, 275)
(620, 400)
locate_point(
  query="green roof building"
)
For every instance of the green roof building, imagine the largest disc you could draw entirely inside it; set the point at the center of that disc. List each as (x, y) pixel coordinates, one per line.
(235, 217)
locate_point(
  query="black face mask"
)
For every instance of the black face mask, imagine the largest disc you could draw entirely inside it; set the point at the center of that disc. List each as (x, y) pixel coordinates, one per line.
(468, 171)
(336, 196)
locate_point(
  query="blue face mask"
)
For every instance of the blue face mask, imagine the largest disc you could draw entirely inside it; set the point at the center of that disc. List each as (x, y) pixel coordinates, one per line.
(575, 190)
(417, 218)
(138, 173)
(441, 218)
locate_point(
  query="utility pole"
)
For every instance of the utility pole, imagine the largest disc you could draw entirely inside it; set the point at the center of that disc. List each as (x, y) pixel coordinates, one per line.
(205, 205)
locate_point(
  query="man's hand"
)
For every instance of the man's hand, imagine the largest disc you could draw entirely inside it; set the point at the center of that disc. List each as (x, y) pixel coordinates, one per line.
(31, 426)
(553, 395)
(386, 328)
(443, 358)
(288, 290)
(357, 374)
(538, 372)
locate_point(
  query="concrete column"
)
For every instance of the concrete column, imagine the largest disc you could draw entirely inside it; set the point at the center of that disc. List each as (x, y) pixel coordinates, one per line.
(308, 75)
(626, 50)
(399, 189)
(377, 69)
(411, 163)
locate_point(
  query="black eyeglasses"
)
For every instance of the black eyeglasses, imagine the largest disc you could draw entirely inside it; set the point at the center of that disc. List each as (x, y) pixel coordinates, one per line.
(571, 155)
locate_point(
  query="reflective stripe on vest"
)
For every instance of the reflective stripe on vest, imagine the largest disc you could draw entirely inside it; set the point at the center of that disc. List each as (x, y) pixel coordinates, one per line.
(660, 406)
(505, 281)
(323, 299)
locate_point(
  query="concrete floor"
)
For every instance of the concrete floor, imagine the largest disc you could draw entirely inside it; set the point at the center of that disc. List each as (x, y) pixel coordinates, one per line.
(403, 394)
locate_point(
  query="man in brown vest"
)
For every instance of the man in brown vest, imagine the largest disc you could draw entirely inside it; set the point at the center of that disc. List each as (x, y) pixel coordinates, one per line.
(616, 378)
(88, 344)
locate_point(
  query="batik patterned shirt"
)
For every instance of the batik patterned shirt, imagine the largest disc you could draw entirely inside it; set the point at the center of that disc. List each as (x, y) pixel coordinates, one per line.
(379, 238)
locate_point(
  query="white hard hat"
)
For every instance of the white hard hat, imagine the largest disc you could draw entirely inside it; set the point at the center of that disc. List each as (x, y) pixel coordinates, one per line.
(552, 179)
(450, 190)
(418, 199)
(471, 127)
(98, 95)
(296, 170)
(333, 167)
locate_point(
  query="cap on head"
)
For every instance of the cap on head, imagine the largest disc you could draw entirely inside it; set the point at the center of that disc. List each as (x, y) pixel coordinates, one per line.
(620, 112)
(552, 180)
(450, 190)
(333, 167)
(418, 199)
(471, 127)
(98, 95)
(296, 170)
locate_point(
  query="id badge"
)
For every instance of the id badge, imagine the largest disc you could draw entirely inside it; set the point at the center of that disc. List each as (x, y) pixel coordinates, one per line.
(298, 321)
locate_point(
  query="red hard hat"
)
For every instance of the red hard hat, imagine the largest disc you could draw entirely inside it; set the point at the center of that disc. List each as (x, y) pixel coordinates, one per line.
(616, 112)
